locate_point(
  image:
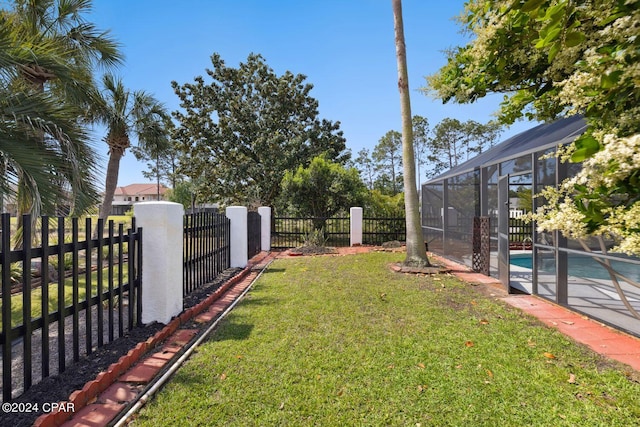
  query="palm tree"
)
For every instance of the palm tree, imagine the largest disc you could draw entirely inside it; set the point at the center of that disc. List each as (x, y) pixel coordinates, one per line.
(59, 25)
(124, 113)
(62, 22)
(44, 150)
(416, 253)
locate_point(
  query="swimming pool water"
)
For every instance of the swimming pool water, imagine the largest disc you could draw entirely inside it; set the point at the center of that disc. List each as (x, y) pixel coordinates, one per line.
(581, 266)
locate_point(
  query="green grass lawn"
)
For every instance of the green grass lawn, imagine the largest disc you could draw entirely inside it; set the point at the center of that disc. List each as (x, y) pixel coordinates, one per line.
(53, 221)
(343, 341)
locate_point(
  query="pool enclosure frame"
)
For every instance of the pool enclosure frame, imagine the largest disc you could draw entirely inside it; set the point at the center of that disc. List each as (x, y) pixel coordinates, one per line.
(497, 186)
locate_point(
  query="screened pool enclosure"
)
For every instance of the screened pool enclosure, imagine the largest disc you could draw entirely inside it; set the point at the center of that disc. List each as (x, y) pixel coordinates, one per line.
(493, 191)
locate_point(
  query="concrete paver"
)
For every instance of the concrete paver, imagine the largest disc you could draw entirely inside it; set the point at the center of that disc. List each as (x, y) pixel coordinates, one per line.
(94, 415)
(120, 393)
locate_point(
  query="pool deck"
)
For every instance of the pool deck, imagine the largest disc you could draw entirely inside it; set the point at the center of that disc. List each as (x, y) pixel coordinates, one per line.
(599, 337)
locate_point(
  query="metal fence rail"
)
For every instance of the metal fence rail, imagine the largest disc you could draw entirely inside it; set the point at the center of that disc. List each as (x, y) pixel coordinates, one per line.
(207, 237)
(254, 234)
(520, 232)
(63, 299)
(376, 231)
(289, 232)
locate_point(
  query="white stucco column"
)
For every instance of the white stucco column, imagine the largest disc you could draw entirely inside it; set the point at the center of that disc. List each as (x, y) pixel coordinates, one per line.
(265, 227)
(162, 259)
(239, 234)
(355, 226)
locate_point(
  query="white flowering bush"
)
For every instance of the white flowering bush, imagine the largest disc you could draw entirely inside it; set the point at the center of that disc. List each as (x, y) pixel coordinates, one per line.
(554, 58)
(603, 199)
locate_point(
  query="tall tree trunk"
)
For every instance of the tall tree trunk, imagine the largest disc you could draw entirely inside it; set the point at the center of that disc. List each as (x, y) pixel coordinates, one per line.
(110, 184)
(416, 253)
(24, 199)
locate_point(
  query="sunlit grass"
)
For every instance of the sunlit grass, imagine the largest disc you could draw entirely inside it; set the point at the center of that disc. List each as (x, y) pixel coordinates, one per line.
(36, 294)
(343, 341)
(126, 220)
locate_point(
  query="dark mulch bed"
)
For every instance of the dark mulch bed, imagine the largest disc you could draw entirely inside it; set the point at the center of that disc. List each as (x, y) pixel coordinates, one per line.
(313, 250)
(57, 388)
(202, 293)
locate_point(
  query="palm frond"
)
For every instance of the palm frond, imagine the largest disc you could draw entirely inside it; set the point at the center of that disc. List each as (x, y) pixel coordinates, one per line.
(42, 143)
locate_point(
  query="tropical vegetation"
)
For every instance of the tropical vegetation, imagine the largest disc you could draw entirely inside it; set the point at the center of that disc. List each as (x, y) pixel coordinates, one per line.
(124, 112)
(49, 58)
(48, 55)
(416, 255)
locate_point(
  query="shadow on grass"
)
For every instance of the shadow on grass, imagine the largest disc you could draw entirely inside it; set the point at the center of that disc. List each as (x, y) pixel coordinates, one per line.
(250, 300)
(231, 330)
(274, 270)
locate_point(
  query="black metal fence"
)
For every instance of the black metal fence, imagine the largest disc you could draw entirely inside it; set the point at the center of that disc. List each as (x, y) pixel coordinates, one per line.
(254, 234)
(520, 232)
(376, 231)
(65, 297)
(207, 237)
(289, 232)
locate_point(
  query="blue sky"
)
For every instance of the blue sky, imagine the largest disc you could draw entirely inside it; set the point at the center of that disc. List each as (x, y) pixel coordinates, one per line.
(344, 47)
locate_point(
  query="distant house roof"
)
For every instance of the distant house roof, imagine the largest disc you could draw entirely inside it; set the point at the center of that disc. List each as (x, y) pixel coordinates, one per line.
(539, 138)
(139, 190)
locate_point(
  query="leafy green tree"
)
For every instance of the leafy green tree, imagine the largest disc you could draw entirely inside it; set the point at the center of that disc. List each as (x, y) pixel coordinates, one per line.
(525, 198)
(322, 189)
(454, 142)
(183, 193)
(365, 165)
(244, 129)
(386, 185)
(387, 155)
(420, 142)
(551, 58)
(160, 153)
(382, 205)
(124, 112)
(416, 254)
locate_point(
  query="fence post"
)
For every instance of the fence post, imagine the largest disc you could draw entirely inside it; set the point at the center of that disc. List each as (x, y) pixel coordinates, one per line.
(239, 234)
(265, 227)
(162, 259)
(355, 226)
